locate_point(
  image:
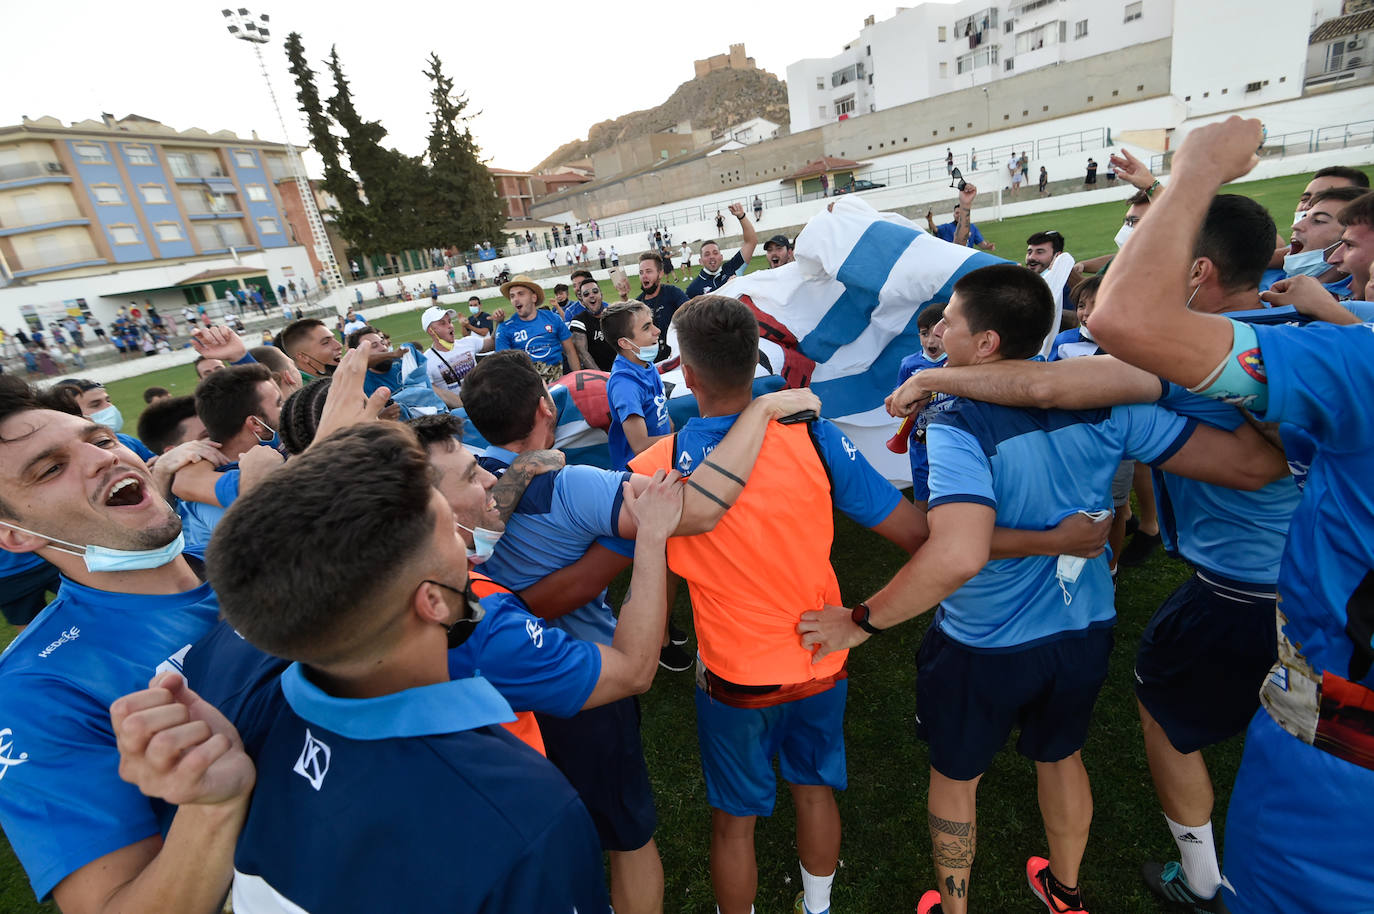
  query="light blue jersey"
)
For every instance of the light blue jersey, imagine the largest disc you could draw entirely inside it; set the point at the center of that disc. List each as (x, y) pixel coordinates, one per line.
(1036, 467)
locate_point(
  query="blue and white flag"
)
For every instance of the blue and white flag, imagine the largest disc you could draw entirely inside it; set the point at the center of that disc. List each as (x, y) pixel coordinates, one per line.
(843, 316)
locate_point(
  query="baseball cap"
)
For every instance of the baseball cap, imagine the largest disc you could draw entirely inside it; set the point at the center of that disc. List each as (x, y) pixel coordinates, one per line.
(434, 313)
(779, 240)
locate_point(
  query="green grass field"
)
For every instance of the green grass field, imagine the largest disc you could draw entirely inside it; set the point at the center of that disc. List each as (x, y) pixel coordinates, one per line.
(886, 852)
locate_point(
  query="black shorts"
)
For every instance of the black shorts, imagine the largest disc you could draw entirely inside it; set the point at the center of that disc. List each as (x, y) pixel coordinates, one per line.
(1203, 656)
(23, 596)
(968, 701)
(600, 753)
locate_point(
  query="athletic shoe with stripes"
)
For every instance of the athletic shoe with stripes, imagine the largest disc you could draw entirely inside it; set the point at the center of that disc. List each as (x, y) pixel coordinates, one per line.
(1038, 875)
(1168, 881)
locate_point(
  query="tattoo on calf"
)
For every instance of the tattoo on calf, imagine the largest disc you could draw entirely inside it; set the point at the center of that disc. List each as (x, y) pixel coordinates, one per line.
(953, 843)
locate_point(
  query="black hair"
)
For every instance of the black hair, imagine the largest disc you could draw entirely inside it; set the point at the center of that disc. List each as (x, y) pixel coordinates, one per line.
(300, 415)
(1054, 239)
(356, 335)
(1353, 175)
(441, 429)
(159, 424)
(226, 398)
(1010, 300)
(930, 315)
(152, 393)
(719, 339)
(501, 395)
(1237, 235)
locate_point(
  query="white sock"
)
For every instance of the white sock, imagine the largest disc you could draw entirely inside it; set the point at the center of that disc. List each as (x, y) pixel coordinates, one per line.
(1199, 851)
(817, 891)
(751, 909)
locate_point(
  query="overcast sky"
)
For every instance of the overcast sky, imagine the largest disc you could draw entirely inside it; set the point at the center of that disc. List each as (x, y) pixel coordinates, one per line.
(539, 72)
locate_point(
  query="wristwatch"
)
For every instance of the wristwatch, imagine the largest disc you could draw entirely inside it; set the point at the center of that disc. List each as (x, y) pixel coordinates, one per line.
(860, 617)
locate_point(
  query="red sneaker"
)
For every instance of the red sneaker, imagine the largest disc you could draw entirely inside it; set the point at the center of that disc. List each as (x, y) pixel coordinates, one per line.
(929, 903)
(1038, 875)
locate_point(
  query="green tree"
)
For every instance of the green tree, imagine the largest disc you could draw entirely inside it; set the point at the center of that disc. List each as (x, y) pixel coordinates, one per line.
(352, 218)
(462, 207)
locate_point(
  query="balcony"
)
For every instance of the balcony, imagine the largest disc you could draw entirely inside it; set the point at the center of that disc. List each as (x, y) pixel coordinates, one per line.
(20, 171)
(44, 217)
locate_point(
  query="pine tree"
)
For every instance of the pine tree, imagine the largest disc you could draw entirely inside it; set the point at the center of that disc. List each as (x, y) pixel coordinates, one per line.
(351, 218)
(462, 207)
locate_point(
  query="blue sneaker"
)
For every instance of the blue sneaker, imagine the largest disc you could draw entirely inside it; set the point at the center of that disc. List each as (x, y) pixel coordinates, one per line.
(1168, 882)
(799, 906)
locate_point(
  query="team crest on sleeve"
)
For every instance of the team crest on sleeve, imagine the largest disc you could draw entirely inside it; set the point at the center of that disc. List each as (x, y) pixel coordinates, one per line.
(313, 764)
(849, 447)
(1252, 362)
(536, 632)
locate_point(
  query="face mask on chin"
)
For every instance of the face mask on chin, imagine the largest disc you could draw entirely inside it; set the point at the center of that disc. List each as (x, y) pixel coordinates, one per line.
(103, 559)
(461, 629)
(1306, 263)
(484, 542)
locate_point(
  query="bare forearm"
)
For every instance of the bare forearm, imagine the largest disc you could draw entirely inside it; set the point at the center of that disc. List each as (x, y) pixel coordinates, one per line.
(639, 633)
(1011, 543)
(192, 871)
(918, 586)
(580, 344)
(570, 353)
(710, 492)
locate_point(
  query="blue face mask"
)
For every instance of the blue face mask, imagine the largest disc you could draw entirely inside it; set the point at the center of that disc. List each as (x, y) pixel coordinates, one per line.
(110, 416)
(1305, 263)
(483, 543)
(274, 442)
(648, 353)
(104, 559)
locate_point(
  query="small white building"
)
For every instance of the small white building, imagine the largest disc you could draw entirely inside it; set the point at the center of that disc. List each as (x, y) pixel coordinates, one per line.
(754, 130)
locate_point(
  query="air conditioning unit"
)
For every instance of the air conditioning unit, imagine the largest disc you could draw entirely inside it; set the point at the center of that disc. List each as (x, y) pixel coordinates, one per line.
(54, 166)
(1354, 44)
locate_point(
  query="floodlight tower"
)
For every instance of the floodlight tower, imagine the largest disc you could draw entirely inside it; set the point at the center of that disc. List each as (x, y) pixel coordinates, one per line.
(244, 26)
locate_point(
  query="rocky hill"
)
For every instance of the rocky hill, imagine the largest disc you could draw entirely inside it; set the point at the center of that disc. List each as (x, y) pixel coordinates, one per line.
(715, 101)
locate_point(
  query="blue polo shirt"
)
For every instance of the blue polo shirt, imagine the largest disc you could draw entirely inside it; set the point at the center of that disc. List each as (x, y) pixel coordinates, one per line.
(541, 337)
(348, 789)
(62, 803)
(1035, 468)
(634, 390)
(1071, 344)
(947, 231)
(558, 518)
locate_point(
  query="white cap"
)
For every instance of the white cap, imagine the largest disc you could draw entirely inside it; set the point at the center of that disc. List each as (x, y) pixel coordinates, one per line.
(434, 313)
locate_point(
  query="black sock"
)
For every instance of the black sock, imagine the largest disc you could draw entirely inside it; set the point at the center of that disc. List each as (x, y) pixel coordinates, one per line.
(1070, 896)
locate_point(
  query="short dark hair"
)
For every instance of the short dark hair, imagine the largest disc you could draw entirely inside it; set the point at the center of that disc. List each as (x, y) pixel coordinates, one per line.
(719, 338)
(1344, 194)
(576, 273)
(300, 415)
(618, 320)
(225, 399)
(1359, 211)
(501, 394)
(703, 245)
(930, 315)
(1085, 290)
(654, 256)
(152, 393)
(293, 334)
(443, 430)
(1054, 239)
(1010, 300)
(203, 358)
(1237, 235)
(1353, 175)
(159, 424)
(560, 287)
(325, 610)
(1139, 198)
(356, 335)
(18, 396)
(62, 396)
(474, 298)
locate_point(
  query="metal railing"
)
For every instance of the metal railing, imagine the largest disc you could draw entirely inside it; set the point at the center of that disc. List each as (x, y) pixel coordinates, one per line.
(991, 158)
(1298, 142)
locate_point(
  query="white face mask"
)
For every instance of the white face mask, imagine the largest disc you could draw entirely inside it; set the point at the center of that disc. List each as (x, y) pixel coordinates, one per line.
(1069, 567)
(483, 543)
(1306, 263)
(1297, 216)
(648, 353)
(104, 559)
(1123, 234)
(110, 416)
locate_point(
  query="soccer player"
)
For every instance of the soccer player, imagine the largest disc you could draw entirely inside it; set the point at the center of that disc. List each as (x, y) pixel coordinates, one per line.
(559, 518)
(314, 349)
(715, 269)
(367, 728)
(130, 603)
(639, 407)
(1308, 769)
(1024, 641)
(759, 694)
(539, 332)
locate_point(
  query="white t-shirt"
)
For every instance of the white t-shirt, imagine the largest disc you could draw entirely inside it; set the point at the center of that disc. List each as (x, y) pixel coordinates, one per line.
(447, 369)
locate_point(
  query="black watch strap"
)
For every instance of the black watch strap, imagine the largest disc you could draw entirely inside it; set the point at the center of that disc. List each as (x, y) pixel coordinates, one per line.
(860, 617)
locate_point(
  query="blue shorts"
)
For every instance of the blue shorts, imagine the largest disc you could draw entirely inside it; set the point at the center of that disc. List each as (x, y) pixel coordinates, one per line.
(738, 746)
(1297, 819)
(599, 752)
(968, 701)
(1203, 657)
(23, 596)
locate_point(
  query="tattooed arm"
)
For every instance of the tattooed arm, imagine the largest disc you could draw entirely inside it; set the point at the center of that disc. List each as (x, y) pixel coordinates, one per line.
(579, 341)
(511, 486)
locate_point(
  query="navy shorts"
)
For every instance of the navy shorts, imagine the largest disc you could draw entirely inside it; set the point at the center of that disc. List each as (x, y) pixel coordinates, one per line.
(23, 596)
(738, 746)
(968, 701)
(1203, 657)
(599, 752)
